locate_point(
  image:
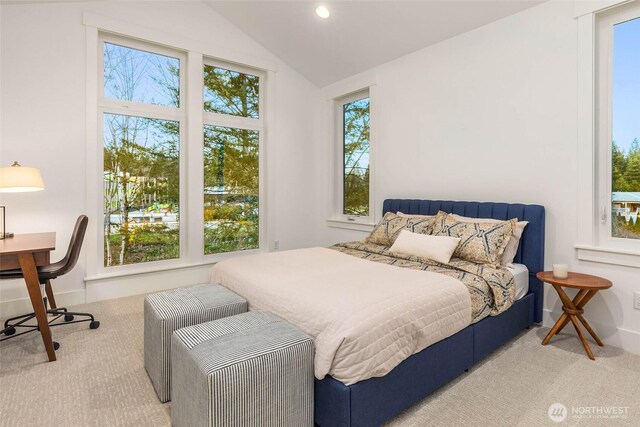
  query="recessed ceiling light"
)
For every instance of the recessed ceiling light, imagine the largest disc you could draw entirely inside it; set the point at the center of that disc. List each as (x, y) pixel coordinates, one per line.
(322, 12)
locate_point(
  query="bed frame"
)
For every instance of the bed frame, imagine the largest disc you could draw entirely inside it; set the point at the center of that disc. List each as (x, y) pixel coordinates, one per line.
(373, 401)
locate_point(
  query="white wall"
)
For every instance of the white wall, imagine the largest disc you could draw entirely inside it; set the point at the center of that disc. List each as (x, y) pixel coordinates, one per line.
(42, 111)
(490, 115)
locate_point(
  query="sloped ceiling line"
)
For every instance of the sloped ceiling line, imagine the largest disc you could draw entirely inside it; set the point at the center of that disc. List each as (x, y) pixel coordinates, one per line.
(358, 35)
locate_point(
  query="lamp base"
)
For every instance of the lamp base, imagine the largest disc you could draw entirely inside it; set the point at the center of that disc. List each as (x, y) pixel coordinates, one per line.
(6, 235)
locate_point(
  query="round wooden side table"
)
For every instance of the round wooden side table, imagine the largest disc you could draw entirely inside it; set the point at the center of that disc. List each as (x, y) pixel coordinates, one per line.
(574, 309)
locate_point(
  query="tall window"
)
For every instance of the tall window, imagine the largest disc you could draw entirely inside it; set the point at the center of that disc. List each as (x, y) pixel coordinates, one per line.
(353, 115)
(145, 102)
(142, 116)
(232, 130)
(619, 124)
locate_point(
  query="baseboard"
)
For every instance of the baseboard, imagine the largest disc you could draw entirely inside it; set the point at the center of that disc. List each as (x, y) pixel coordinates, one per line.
(116, 287)
(618, 337)
(20, 306)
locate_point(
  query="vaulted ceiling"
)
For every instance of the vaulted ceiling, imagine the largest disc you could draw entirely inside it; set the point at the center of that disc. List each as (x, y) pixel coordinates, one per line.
(359, 34)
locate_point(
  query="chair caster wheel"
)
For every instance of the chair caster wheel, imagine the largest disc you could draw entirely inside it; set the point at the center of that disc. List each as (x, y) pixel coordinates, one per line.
(68, 317)
(94, 325)
(10, 331)
(56, 345)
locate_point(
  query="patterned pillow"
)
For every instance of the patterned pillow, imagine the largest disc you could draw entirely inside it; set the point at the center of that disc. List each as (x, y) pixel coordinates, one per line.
(387, 230)
(512, 247)
(482, 242)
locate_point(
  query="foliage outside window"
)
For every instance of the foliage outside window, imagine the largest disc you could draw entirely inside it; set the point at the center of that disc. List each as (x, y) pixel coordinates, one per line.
(141, 150)
(143, 117)
(355, 143)
(231, 160)
(231, 92)
(625, 130)
(230, 189)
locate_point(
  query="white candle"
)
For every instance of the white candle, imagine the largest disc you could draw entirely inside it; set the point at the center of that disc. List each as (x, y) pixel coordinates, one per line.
(560, 271)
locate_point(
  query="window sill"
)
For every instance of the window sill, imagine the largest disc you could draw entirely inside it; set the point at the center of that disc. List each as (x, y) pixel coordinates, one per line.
(350, 225)
(209, 260)
(608, 255)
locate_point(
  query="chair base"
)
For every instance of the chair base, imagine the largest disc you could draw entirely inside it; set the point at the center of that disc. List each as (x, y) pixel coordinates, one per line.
(11, 325)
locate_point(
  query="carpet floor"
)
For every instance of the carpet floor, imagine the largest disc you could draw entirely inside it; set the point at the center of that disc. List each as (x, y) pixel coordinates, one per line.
(99, 380)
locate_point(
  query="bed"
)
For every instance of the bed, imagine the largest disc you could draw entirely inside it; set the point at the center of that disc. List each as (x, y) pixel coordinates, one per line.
(360, 384)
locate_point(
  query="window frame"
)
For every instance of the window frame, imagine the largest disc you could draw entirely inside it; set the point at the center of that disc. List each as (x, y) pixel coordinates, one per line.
(248, 123)
(229, 120)
(592, 156)
(161, 110)
(604, 123)
(150, 275)
(338, 218)
(139, 109)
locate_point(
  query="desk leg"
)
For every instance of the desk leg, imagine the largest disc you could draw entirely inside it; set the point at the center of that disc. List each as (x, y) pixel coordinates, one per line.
(28, 266)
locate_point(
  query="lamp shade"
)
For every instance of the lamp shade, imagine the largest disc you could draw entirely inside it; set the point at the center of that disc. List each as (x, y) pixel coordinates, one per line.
(19, 179)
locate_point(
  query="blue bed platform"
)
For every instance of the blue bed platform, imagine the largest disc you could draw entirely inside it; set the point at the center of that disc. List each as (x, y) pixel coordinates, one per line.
(373, 401)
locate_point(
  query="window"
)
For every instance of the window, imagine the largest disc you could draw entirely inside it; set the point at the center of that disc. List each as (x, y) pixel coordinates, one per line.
(232, 130)
(155, 126)
(353, 132)
(618, 127)
(142, 119)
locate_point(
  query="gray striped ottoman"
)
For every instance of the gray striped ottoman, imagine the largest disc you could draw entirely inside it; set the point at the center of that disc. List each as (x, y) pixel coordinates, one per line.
(253, 369)
(164, 312)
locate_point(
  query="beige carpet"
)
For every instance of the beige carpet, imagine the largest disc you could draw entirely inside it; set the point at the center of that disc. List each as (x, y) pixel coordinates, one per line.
(99, 380)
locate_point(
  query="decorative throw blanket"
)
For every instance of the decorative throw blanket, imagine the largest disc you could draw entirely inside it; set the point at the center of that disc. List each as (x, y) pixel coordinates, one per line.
(365, 317)
(492, 289)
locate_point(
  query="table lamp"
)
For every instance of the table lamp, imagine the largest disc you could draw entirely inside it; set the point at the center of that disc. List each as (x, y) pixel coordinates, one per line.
(17, 179)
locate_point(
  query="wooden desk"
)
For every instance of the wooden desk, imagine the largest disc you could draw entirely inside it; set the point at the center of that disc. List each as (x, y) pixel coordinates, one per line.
(27, 251)
(574, 309)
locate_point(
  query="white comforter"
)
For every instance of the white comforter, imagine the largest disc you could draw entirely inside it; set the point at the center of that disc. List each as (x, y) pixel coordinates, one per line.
(365, 317)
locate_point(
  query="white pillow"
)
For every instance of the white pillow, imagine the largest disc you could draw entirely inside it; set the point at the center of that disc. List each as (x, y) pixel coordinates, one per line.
(512, 247)
(437, 248)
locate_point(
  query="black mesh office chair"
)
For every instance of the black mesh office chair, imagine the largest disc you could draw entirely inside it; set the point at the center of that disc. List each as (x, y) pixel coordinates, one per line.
(47, 273)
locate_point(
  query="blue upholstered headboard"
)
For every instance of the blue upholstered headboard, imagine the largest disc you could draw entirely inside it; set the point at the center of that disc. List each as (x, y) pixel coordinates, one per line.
(531, 249)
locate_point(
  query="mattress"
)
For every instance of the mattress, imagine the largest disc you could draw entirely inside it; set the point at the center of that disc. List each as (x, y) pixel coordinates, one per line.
(521, 276)
(365, 317)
